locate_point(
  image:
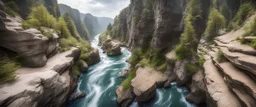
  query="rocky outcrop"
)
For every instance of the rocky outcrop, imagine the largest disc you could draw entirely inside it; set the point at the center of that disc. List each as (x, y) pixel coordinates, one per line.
(124, 96)
(145, 83)
(198, 89)
(41, 86)
(218, 92)
(94, 57)
(30, 44)
(112, 48)
(77, 95)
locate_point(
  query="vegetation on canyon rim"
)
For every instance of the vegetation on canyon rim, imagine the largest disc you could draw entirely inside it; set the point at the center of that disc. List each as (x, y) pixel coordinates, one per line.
(41, 19)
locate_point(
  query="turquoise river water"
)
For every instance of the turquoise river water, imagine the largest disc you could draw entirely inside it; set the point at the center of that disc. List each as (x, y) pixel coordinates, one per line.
(102, 80)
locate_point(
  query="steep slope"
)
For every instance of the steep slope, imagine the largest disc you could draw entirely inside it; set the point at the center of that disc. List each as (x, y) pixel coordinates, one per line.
(91, 23)
(75, 15)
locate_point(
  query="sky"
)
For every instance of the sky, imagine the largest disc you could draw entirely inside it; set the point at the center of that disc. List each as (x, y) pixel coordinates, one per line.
(101, 8)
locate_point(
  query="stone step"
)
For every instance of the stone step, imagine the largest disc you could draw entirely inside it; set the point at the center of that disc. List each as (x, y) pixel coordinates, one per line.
(236, 46)
(240, 83)
(217, 88)
(250, 38)
(243, 61)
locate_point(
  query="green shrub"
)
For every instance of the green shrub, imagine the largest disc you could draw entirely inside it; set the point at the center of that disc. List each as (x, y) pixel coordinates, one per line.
(12, 8)
(188, 40)
(126, 84)
(215, 22)
(253, 44)
(71, 25)
(251, 29)
(201, 61)
(191, 68)
(137, 56)
(245, 10)
(39, 17)
(7, 69)
(220, 57)
(63, 28)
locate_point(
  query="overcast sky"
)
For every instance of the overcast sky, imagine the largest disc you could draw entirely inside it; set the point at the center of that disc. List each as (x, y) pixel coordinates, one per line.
(106, 8)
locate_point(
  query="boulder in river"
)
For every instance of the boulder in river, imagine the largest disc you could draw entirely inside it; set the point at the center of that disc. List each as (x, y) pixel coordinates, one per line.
(94, 57)
(77, 95)
(146, 82)
(124, 96)
(112, 48)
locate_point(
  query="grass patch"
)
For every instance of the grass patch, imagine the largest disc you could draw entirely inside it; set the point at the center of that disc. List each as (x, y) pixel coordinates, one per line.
(201, 61)
(137, 56)
(126, 84)
(251, 29)
(220, 57)
(7, 69)
(191, 68)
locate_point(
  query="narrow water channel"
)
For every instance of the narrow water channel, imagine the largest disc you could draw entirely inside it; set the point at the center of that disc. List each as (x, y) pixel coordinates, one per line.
(102, 80)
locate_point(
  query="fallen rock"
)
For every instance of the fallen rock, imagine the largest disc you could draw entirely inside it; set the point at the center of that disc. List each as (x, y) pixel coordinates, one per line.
(124, 73)
(94, 57)
(112, 48)
(198, 89)
(124, 97)
(77, 95)
(146, 82)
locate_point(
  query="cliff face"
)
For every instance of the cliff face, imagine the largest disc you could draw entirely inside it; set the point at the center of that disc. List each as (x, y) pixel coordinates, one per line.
(174, 28)
(91, 23)
(75, 16)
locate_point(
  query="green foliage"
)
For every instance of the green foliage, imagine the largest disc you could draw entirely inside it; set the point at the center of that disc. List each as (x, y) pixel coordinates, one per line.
(188, 40)
(194, 10)
(12, 8)
(191, 68)
(75, 70)
(71, 25)
(245, 10)
(215, 22)
(39, 17)
(7, 69)
(109, 28)
(126, 84)
(251, 29)
(201, 60)
(253, 44)
(220, 57)
(137, 56)
(63, 28)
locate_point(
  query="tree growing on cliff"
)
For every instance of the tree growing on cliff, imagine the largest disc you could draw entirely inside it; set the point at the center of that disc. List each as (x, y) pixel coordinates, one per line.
(39, 17)
(71, 25)
(215, 23)
(109, 28)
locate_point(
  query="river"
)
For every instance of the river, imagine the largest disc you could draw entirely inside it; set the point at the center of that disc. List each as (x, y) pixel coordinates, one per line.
(102, 79)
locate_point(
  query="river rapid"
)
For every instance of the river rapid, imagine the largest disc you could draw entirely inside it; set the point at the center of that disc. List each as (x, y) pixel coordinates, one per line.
(102, 79)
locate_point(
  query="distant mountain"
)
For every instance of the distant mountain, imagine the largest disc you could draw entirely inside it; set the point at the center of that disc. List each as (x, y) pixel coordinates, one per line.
(94, 24)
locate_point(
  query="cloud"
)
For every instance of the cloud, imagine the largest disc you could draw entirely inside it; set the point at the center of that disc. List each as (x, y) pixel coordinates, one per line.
(102, 8)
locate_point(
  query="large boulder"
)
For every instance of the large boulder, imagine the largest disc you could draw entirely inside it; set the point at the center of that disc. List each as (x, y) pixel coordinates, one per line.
(112, 48)
(124, 96)
(198, 89)
(94, 57)
(146, 82)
